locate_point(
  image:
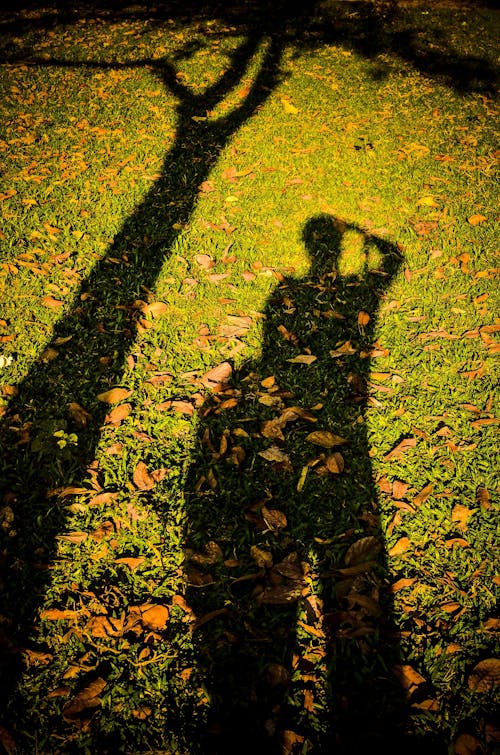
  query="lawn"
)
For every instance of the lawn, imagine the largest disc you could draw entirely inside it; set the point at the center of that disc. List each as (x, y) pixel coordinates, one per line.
(249, 337)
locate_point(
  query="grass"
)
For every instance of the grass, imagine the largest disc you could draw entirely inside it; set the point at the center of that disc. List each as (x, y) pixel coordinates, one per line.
(186, 567)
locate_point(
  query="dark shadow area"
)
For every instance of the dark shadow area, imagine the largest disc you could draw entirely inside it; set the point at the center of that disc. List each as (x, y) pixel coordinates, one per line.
(99, 329)
(368, 27)
(355, 613)
(306, 597)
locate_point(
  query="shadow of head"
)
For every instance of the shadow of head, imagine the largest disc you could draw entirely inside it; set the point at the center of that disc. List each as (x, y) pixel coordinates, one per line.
(346, 249)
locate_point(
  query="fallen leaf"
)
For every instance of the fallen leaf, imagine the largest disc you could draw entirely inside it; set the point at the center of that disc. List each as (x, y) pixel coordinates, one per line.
(289, 740)
(288, 107)
(273, 453)
(142, 478)
(485, 675)
(57, 614)
(217, 375)
(408, 677)
(325, 439)
(461, 514)
(274, 518)
(114, 395)
(476, 219)
(401, 448)
(344, 350)
(335, 463)
(277, 675)
(400, 547)
(362, 550)
(101, 499)
(118, 414)
(466, 744)
(363, 319)
(400, 584)
(49, 301)
(80, 416)
(154, 616)
(423, 495)
(73, 537)
(205, 261)
(262, 558)
(303, 359)
(88, 697)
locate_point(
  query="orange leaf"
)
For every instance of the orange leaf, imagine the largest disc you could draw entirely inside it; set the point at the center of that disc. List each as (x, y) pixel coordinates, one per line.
(400, 547)
(114, 395)
(142, 478)
(485, 675)
(217, 376)
(401, 448)
(154, 616)
(57, 614)
(423, 495)
(476, 219)
(49, 301)
(117, 414)
(363, 319)
(460, 514)
(408, 677)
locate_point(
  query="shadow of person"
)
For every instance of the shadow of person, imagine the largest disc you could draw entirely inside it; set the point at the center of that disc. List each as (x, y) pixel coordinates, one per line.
(285, 565)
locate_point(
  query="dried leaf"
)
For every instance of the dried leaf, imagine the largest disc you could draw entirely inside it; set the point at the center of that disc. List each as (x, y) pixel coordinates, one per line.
(401, 448)
(274, 518)
(142, 478)
(402, 583)
(485, 676)
(461, 514)
(118, 414)
(273, 453)
(277, 675)
(57, 614)
(363, 550)
(325, 439)
(459, 541)
(466, 744)
(102, 499)
(114, 395)
(476, 219)
(262, 558)
(80, 416)
(363, 319)
(303, 359)
(408, 677)
(155, 309)
(399, 489)
(51, 303)
(335, 463)
(217, 376)
(400, 547)
(154, 616)
(86, 698)
(213, 554)
(73, 537)
(342, 351)
(289, 740)
(423, 495)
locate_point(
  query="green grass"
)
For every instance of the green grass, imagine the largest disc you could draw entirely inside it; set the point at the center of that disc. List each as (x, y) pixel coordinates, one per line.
(185, 188)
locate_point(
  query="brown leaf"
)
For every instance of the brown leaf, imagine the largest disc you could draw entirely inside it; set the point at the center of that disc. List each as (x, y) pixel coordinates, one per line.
(57, 614)
(102, 626)
(363, 319)
(73, 537)
(401, 448)
(289, 740)
(142, 478)
(364, 549)
(408, 677)
(303, 359)
(485, 675)
(423, 495)
(262, 558)
(466, 744)
(277, 675)
(344, 350)
(273, 453)
(461, 514)
(400, 547)
(80, 416)
(213, 554)
(335, 463)
(130, 561)
(118, 414)
(114, 395)
(155, 309)
(402, 583)
(274, 518)
(88, 697)
(459, 541)
(205, 261)
(217, 376)
(102, 499)
(325, 439)
(154, 616)
(271, 428)
(51, 303)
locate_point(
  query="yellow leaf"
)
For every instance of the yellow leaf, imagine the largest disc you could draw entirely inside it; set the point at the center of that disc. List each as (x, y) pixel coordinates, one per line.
(288, 107)
(303, 359)
(460, 514)
(427, 201)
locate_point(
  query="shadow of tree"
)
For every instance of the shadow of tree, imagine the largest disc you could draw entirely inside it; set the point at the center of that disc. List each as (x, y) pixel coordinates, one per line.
(286, 567)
